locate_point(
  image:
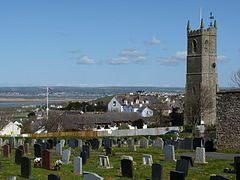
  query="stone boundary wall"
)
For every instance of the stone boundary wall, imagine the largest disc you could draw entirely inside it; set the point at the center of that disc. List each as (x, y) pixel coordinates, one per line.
(228, 120)
(138, 132)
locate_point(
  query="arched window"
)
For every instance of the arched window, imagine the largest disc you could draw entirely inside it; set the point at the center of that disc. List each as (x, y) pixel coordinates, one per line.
(206, 46)
(194, 46)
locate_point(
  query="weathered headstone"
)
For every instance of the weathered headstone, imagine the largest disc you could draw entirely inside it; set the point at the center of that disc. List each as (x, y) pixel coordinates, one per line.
(26, 168)
(127, 168)
(53, 177)
(73, 143)
(144, 143)
(46, 159)
(95, 144)
(169, 153)
(37, 150)
(20, 142)
(50, 142)
(18, 156)
(66, 156)
(157, 171)
(200, 155)
(77, 163)
(59, 149)
(177, 175)
(107, 143)
(6, 151)
(108, 151)
(158, 143)
(127, 157)
(12, 142)
(22, 148)
(84, 157)
(104, 162)
(92, 176)
(132, 147)
(183, 166)
(147, 160)
(62, 141)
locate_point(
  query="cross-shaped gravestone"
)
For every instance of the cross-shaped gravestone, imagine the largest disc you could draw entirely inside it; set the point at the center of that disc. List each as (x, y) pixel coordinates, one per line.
(104, 162)
(147, 159)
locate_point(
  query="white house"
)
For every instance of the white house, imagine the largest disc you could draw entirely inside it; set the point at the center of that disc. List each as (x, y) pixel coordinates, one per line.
(10, 128)
(145, 112)
(115, 105)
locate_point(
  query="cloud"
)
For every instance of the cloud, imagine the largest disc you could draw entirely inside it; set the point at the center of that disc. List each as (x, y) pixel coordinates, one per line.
(154, 40)
(222, 58)
(121, 60)
(174, 59)
(86, 60)
(130, 52)
(74, 51)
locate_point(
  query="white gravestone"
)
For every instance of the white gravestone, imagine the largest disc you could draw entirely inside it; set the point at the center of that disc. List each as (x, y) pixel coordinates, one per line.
(169, 153)
(66, 156)
(77, 165)
(104, 162)
(147, 160)
(200, 155)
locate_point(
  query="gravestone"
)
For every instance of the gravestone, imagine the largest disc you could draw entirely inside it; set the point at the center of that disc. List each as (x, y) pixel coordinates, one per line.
(107, 143)
(197, 142)
(12, 142)
(55, 141)
(209, 146)
(45, 146)
(104, 162)
(77, 165)
(84, 155)
(158, 143)
(50, 142)
(37, 150)
(237, 166)
(183, 166)
(132, 147)
(46, 159)
(62, 141)
(66, 156)
(108, 151)
(119, 144)
(32, 142)
(188, 144)
(6, 151)
(157, 171)
(92, 176)
(217, 177)
(53, 177)
(147, 160)
(59, 149)
(127, 168)
(200, 155)
(26, 168)
(22, 148)
(177, 175)
(95, 144)
(18, 156)
(189, 159)
(86, 148)
(169, 153)
(127, 157)
(144, 143)
(1, 142)
(20, 142)
(73, 143)
(26, 148)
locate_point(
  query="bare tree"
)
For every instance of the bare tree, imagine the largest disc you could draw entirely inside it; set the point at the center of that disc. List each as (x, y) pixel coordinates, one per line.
(5, 116)
(54, 122)
(236, 79)
(197, 105)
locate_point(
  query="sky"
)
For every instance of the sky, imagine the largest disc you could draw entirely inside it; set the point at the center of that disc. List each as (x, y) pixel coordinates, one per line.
(94, 43)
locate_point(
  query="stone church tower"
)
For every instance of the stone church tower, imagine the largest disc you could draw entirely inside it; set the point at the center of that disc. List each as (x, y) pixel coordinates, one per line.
(201, 77)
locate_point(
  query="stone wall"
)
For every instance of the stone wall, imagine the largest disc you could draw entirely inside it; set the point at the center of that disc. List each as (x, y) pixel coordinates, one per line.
(228, 119)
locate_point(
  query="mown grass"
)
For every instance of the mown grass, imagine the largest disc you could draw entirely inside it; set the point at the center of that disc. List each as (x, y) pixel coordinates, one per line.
(201, 171)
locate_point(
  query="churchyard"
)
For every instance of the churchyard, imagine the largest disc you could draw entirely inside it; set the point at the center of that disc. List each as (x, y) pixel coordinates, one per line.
(111, 158)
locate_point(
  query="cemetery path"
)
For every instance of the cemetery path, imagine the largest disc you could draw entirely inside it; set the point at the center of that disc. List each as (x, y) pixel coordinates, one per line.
(213, 155)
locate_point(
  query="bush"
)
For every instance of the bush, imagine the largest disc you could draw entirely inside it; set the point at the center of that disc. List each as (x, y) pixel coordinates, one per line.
(123, 126)
(138, 123)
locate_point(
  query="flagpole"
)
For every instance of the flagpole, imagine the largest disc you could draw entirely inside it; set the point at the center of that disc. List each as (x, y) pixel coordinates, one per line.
(47, 103)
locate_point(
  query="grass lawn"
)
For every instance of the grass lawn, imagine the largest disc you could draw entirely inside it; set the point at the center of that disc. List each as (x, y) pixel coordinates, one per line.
(202, 171)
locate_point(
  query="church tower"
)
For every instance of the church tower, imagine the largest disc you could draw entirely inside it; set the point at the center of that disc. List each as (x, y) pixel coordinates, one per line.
(201, 77)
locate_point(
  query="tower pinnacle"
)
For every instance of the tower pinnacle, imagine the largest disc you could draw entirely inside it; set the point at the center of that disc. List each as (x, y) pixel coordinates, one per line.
(202, 24)
(188, 26)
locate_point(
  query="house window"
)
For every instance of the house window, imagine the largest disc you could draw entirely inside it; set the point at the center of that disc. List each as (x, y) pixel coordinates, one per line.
(114, 103)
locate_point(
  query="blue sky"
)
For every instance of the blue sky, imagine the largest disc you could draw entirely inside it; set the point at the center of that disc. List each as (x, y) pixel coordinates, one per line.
(109, 42)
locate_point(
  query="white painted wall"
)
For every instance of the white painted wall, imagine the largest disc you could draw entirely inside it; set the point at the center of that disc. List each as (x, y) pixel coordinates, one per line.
(11, 129)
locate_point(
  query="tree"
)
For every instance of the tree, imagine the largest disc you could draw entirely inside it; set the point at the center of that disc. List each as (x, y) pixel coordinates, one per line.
(197, 106)
(236, 79)
(138, 123)
(54, 122)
